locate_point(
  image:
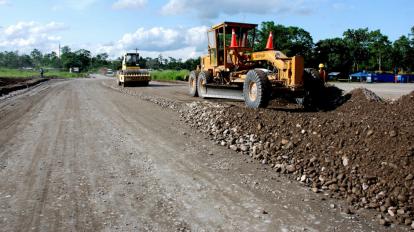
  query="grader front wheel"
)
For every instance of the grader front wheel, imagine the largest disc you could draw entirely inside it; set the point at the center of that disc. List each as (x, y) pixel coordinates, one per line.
(256, 89)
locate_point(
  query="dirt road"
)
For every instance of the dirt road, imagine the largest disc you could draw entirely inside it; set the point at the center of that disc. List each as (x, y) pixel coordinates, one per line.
(80, 156)
(384, 90)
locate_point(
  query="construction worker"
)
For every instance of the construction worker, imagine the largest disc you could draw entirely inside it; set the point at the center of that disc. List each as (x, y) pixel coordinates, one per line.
(322, 73)
(41, 72)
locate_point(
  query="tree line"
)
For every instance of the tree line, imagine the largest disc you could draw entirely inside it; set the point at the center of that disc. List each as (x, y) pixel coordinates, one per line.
(357, 49)
(85, 61)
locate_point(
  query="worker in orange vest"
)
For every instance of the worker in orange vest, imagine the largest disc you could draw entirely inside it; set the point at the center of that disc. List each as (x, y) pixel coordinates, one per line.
(322, 72)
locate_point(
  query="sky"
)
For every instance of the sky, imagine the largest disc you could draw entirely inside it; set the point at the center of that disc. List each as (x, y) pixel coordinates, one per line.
(178, 28)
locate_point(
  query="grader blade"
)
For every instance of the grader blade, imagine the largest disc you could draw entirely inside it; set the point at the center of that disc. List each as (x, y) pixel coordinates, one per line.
(226, 93)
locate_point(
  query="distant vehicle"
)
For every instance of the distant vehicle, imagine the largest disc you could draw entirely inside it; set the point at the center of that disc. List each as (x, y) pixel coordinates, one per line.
(109, 72)
(74, 70)
(131, 73)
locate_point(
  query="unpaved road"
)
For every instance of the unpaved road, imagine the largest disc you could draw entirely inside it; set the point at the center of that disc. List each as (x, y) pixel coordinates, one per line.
(81, 156)
(385, 90)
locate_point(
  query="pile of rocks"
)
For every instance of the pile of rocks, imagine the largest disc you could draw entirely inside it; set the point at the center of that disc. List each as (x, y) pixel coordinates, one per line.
(362, 152)
(163, 102)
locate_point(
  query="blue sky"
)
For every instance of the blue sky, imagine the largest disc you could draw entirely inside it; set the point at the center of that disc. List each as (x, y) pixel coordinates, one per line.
(177, 27)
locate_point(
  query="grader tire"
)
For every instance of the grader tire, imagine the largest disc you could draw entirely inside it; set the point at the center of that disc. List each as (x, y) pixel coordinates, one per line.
(256, 89)
(192, 84)
(203, 78)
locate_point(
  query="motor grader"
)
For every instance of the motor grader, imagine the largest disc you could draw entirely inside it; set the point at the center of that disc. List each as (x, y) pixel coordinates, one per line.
(231, 69)
(131, 73)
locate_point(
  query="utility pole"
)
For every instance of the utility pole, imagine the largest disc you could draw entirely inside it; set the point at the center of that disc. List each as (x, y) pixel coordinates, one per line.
(59, 52)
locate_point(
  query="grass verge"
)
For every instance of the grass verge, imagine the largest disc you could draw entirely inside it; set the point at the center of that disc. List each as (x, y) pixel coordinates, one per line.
(175, 75)
(20, 73)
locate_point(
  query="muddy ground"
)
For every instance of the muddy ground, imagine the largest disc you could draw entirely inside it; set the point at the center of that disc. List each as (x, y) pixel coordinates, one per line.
(9, 85)
(84, 155)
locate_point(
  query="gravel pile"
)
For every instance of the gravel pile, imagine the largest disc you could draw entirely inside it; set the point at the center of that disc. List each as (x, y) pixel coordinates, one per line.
(163, 102)
(363, 151)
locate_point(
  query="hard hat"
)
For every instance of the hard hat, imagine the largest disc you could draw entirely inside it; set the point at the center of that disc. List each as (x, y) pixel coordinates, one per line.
(321, 66)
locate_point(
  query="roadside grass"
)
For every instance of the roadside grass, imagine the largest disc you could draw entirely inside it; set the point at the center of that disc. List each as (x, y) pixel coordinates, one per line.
(174, 75)
(20, 73)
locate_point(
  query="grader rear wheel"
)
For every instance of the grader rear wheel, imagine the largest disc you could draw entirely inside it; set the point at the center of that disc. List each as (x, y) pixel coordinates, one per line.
(203, 78)
(192, 83)
(256, 89)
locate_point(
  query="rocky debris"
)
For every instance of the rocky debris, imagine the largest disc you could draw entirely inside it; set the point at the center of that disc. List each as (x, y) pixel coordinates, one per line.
(363, 151)
(161, 101)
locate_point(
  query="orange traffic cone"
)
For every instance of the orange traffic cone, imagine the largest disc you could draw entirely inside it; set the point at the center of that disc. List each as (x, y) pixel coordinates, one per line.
(269, 44)
(244, 40)
(233, 43)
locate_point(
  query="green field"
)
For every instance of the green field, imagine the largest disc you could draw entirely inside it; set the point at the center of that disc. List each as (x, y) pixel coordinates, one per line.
(172, 75)
(19, 73)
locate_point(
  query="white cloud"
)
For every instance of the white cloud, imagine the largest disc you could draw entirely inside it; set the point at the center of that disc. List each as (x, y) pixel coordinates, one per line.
(128, 4)
(25, 36)
(214, 8)
(177, 42)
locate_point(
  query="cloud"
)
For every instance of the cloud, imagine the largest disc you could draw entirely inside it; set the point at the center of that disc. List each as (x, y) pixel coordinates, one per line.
(215, 8)
(29, 35)
(128, 4)
(178, 42)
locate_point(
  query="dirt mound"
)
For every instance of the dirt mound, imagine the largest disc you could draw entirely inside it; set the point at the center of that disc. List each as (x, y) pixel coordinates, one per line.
(11, 81)
(363, 151)
(8, 85)
(362, 94)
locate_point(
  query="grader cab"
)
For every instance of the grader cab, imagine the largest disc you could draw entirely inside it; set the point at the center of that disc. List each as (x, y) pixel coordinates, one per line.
(231, 69)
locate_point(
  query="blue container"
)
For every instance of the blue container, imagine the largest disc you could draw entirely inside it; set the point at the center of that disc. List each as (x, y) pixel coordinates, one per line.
(405, 78)
(385, 77)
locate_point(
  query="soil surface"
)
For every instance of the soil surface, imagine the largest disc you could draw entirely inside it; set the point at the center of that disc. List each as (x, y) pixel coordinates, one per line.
(4, 81)
(86, 155)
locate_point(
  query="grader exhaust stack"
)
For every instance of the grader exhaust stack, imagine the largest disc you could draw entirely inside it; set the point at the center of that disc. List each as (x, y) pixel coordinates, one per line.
(231, 69)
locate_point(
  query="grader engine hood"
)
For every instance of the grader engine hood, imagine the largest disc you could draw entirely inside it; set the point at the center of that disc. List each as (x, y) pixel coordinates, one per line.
(290, 69)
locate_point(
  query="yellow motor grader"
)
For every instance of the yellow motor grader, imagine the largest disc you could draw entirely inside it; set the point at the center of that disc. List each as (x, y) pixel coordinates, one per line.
(131, 73)
(233, 70)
